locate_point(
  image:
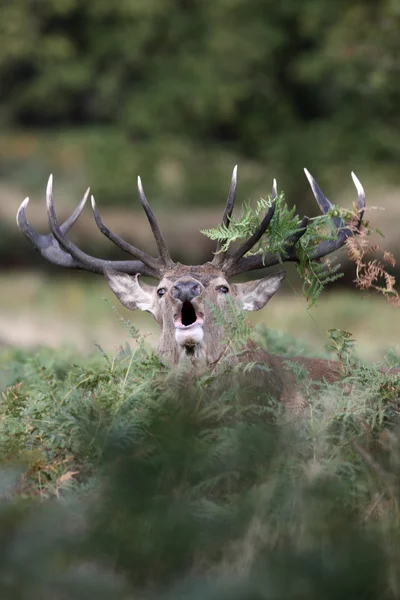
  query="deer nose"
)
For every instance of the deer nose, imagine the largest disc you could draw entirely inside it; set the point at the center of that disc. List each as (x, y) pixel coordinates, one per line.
(186, 290)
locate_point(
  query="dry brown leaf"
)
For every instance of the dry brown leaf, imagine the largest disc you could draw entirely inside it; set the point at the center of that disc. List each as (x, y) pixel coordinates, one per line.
(65, 477)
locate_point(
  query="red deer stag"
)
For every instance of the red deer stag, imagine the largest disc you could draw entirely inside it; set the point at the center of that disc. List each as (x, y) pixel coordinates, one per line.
(182, 300)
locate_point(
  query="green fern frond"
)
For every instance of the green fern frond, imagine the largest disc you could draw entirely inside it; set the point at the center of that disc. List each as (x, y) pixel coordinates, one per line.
(241, 228)
(285, 222)
(316, 275)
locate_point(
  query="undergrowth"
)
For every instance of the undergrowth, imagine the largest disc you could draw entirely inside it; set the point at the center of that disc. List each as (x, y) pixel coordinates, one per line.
(123, 478)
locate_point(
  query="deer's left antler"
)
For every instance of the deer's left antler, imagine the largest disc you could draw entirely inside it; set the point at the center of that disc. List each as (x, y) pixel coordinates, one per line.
(236, 263)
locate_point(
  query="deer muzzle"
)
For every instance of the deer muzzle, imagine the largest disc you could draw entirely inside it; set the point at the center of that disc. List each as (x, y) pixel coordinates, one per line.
(188, 316)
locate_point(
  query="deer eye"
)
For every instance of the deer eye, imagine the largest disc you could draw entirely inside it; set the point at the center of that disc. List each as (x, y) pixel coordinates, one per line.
(223, 289)
(161, 291)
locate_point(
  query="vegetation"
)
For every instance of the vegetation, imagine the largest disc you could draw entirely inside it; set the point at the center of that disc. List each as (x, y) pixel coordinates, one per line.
(122, 477)
(170, 86)
(316, 273)
(217, 70)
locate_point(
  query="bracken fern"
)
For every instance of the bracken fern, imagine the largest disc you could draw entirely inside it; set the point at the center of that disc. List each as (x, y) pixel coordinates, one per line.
(143, 479)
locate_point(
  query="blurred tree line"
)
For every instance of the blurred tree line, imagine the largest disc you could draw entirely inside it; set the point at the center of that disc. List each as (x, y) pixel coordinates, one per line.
(98, 92)
(241, 72)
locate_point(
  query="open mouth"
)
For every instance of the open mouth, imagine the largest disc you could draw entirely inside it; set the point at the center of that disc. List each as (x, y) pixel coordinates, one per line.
(188, 317)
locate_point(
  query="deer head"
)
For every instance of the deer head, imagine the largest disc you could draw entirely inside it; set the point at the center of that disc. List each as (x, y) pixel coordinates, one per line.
(182, 302)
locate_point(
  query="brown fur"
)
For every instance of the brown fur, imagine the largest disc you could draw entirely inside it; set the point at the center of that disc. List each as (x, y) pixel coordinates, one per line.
(211, 351)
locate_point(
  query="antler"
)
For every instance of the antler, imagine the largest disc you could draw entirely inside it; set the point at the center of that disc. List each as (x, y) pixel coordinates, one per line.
(58, 249)
(221, 258)
(237, 262)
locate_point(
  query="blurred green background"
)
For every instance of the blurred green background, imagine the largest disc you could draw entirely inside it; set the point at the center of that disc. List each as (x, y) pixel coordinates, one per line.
(179, 91)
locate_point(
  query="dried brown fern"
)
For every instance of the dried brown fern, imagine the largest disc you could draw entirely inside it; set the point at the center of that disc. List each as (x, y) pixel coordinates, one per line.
(371, 273)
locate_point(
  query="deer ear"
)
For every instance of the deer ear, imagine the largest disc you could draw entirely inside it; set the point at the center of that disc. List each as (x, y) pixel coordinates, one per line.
(130, 292)
(253, 295)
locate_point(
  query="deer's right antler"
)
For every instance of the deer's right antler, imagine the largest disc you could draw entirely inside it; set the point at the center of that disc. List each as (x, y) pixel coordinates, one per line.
(236, 263)
(57, 248)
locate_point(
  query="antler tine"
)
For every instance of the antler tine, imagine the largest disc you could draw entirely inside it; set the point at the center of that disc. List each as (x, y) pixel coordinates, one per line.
(292, 240)
(230, 202)
(118, 241)
(161, 245)
(360, 197)
(31, 234)
(324, 204)
(219, 256)
(274, 192)
(226, 217)
(46, 244)
(252, 241)
(327, 246)
(25, 227)
(69, 255)
(66, 226)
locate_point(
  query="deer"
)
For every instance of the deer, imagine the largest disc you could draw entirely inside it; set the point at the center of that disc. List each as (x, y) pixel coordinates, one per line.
(183, 299)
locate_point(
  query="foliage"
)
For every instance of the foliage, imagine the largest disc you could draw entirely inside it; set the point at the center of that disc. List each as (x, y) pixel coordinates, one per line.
(284, 224)
(373, 274)
(125, 477)
(316, 273)
(342, 344)
(280, 83)
(202, 65)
